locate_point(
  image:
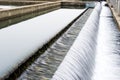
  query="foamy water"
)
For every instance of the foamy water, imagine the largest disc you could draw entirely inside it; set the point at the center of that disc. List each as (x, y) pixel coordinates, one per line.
(95, 55)
(79, 61)
(108, 48)
(18, 42)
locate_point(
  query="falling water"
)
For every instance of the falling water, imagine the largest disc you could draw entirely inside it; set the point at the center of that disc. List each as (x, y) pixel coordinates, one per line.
(107, 61)
(79, 61)
(26, 39)
(95, 55)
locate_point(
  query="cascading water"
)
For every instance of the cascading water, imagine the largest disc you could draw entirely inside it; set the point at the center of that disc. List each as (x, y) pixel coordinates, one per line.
(20, 41)
(95, 55)
(107, 61)
(78, 63)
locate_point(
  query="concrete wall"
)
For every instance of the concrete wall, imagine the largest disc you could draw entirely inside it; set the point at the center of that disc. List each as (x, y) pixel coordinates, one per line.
(116, 5)
(20, 3)
(77, 4)
(72, 4)
(6, 14)
(42, 7)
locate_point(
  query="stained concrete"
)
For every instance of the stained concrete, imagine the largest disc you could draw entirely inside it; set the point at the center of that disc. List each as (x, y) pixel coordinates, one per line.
(7, 14)
(116, 16)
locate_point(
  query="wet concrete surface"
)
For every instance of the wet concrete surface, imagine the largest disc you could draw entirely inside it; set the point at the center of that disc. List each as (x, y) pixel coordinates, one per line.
(45, 66)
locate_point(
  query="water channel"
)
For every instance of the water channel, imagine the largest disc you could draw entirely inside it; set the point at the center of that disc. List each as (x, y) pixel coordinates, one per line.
(7, 24)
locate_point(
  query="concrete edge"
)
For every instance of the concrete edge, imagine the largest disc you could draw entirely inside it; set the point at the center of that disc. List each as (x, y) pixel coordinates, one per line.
(27, 60)
(116, 17)
(5, 14)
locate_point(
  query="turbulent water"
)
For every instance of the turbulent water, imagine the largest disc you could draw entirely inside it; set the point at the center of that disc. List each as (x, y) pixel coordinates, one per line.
(95, 53)
(107, 61)
(20, 41)
(79, 61)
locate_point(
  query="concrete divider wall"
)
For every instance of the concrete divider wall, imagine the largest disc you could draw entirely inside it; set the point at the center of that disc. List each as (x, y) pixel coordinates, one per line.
(20, 3)
(116, 5)
(5, 14)
(77, 4)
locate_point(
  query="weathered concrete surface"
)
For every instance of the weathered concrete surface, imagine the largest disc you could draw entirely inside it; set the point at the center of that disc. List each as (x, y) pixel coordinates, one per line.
(41, 6)
(29, 0)
(5, 14)
(80, 1)
(45, 66)
(14, 20)
(77, 4)
(116, 16)
(20, 3)
(73, 5)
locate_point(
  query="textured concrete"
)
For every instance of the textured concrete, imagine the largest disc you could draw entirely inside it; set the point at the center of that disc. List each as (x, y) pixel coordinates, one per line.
(19, 2)
(6, 14)
(117, 17)
(45, 66)
(30, 6)
(73, 5)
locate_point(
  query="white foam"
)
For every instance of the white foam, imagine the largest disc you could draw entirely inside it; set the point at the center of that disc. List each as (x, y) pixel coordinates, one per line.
(108, 49)
(19, 41)
(79, 61)
(95, 55)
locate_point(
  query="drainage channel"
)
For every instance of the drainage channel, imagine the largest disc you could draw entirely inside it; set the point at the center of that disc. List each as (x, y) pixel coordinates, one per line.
(43, 66)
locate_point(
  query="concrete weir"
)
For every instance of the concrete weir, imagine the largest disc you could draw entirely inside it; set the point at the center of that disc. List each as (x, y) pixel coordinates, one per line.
(31, 32)
(79, 61)
(44, 67)
(95, 54)
(28, 9)
(64, 44)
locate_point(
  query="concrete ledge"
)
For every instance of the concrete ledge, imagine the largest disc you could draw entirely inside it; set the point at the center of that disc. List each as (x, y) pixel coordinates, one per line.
(116, 16)
(51, 33)
(20, 3)
(72, 5)
(5, 14)
(41, 6)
